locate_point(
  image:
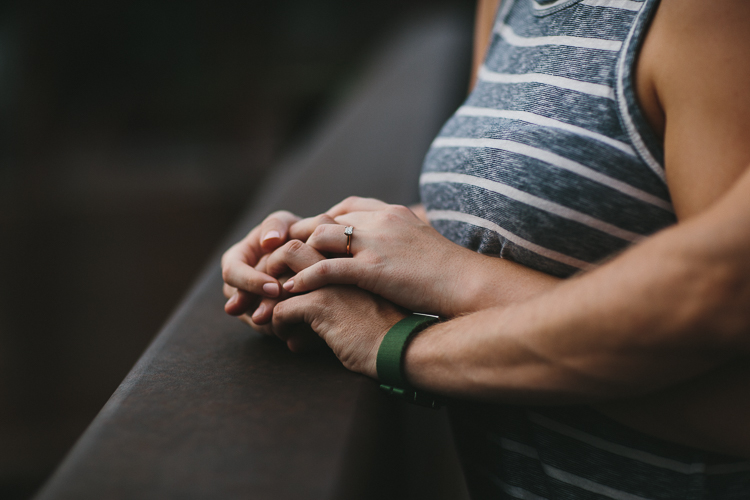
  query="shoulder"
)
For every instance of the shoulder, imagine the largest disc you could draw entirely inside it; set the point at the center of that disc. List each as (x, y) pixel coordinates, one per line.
(696, 61)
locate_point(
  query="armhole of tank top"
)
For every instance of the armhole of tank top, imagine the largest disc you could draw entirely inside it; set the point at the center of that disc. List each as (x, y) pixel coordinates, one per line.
(503, 12)
(540, 9)
(643, 137)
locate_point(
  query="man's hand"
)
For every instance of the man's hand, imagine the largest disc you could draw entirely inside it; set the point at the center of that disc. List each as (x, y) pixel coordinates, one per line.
(351, 321)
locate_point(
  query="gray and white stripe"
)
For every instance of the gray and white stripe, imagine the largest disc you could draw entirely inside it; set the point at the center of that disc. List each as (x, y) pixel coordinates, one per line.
(564, 476)
(512, 38)
(554, 160)
(543, 121)
(529, 199)
(635, 454)
(610, 4)
(553, 157)
(594, 89)
(615, 4)
(452, 215)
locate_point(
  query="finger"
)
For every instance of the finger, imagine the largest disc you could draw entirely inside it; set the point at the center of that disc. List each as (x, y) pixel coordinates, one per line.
(325, 272)
(386, 215)
(287, 315)
(302, 229)
(275, 229)
(264, 312)
(242, 276)
(228, 291)
(241, 302)
(356, 204)
(261, 265)
(331, 238)
(294, 256)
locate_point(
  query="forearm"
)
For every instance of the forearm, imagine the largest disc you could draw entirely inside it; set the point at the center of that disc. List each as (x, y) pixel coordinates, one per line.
(667, 310)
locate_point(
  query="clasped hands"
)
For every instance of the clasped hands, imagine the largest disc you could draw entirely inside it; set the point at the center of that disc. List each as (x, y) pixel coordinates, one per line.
(290, 277)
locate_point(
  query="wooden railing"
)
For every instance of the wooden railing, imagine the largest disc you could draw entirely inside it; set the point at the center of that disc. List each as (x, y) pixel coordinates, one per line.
(213, 410)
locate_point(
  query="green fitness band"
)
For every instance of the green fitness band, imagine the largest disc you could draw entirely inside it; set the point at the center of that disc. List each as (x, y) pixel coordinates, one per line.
(391, 358)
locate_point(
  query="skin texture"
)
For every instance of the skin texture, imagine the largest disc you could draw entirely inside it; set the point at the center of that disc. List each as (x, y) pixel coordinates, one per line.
(656, 338)
(395, 253)
(662, 325)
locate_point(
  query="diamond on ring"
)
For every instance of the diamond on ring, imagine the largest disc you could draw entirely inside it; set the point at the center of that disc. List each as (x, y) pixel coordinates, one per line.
(348, 231)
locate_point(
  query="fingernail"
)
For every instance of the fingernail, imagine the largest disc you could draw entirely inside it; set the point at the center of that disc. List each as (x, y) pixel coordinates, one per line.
(271, 289)
(271, 234)
(259, 312)
(232, 300)
(289, 285)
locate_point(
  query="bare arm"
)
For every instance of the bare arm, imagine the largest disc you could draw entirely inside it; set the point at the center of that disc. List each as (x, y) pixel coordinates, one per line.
(671, 308)
(668, 310)
(483, 23)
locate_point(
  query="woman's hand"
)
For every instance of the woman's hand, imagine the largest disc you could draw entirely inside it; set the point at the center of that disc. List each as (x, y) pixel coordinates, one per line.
(283, 263)
(246, 283)
(396, 255)
(245, 280)
(303, 229)
(351, 321)
(400, 257)
(243, 277)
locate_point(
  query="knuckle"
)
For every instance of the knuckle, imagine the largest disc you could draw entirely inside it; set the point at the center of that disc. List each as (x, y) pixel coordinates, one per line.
(400, 209)
(325, 219)
(293, 247)
(389, 217)
(226, 273)
(318, 232)
(351, 200)
(279, 311)
(324, 268)
(273, 221)
(278, 214)
(230, 253)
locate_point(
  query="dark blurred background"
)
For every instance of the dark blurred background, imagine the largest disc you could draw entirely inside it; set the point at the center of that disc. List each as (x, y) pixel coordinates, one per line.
(131, 134)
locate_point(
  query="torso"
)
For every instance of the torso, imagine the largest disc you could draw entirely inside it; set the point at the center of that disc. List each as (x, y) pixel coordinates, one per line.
(509, 176)
(543, 165)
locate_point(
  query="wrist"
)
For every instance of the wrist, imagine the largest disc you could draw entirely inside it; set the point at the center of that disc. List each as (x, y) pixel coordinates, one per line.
(463, 283)
(390, 359)
(476, 282)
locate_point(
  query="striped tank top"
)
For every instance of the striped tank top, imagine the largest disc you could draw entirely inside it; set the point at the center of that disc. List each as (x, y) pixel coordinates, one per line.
(551, 163)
